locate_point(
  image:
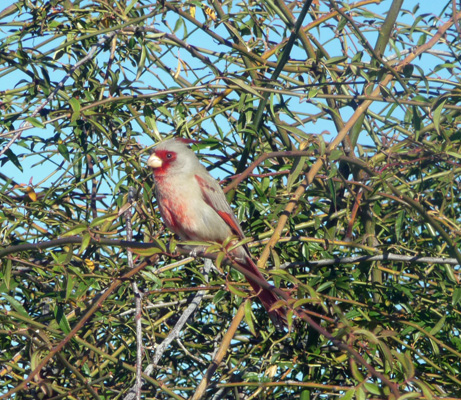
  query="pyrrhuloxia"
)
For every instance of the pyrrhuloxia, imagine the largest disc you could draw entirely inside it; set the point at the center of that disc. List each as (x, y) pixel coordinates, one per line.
(193, 206)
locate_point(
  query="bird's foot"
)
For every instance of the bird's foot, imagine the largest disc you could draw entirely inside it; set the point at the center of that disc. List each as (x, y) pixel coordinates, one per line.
(196, 251)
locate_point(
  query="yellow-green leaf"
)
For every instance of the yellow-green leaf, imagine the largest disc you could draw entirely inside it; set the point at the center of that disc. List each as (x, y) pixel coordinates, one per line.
(75, 230)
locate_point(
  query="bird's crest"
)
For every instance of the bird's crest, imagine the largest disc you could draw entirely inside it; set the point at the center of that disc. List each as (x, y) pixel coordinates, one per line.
(188, 141)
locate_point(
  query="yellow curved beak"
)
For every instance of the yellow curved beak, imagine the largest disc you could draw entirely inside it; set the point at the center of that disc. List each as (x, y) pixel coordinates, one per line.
(154, 161)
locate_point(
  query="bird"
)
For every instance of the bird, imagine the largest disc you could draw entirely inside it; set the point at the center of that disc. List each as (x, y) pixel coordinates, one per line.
(193, 206)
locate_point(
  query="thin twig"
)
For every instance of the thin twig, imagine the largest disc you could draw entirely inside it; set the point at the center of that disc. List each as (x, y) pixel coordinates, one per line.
(261, 158)
(136, 390)
(189, 354)
(456, 19)
(140, 245)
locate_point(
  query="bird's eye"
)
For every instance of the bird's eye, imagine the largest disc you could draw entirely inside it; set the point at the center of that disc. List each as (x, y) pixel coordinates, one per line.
(169, 155)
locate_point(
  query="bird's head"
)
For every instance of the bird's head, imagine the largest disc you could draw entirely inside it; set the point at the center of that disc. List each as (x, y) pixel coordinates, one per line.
(172, 155)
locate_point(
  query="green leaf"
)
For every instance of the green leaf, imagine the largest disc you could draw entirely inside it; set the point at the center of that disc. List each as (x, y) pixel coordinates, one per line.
(409, 367)
(234, 290)
(332, 189)
(75, 104)
(348, 395)
(249, 317)
(35, 122)
(453, 154)
(301, 302)
(86, 239)
(129, 7)
(245, 87)
(178, 24)
(372, 388)
(151, 121)
(424, 388)
(456, 296)
(438, 326)
(305, 395)
(7, 265)
(360, 394)
(410, 396)
(437, 114)
(355, 371)
(335, 154)
(341, 24)
(450, 273)
(219, 259)
(298, 167)
(15, 304)
(398, 225)
(146, 252)
(322, 146)
(142, 61)
(295, 131)
(70, 283)
(61, 319)
(64, 151)
(324, 286)
(12, 157)
(335, 60)
(76, 230)
(104, 218)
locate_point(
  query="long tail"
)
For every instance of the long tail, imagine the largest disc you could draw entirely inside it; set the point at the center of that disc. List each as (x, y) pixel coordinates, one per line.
(267, 297)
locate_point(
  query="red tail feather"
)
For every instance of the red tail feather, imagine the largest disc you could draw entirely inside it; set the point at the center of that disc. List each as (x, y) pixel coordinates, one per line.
(268, 298)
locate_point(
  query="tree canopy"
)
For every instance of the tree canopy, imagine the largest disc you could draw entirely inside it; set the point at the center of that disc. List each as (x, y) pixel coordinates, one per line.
(334, 128)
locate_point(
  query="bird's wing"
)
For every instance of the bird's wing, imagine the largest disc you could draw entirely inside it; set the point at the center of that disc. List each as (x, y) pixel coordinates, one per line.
(215, 198)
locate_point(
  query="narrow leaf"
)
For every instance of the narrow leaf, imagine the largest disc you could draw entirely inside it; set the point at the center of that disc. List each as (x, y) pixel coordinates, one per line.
(245, 87)
(16, 305)
(75, 230)
(35, 122)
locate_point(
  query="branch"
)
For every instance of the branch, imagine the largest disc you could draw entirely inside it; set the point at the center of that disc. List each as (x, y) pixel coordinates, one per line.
(74, 240)
(303, 314)
(166, 304)
(136, 390)
(182, 320)
(217, 359)
(239, 48)
(380, 257)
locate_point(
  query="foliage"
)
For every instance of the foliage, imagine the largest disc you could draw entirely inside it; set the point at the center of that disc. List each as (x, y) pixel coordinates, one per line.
(368, 92)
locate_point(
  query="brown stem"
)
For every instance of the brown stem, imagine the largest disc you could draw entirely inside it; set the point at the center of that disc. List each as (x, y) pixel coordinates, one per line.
(225, 343)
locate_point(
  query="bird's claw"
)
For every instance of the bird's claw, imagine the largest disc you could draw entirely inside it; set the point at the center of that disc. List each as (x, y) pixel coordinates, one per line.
(196, 250)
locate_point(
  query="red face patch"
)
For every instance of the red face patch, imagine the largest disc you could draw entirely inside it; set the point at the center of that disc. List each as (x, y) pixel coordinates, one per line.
(167, 158)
